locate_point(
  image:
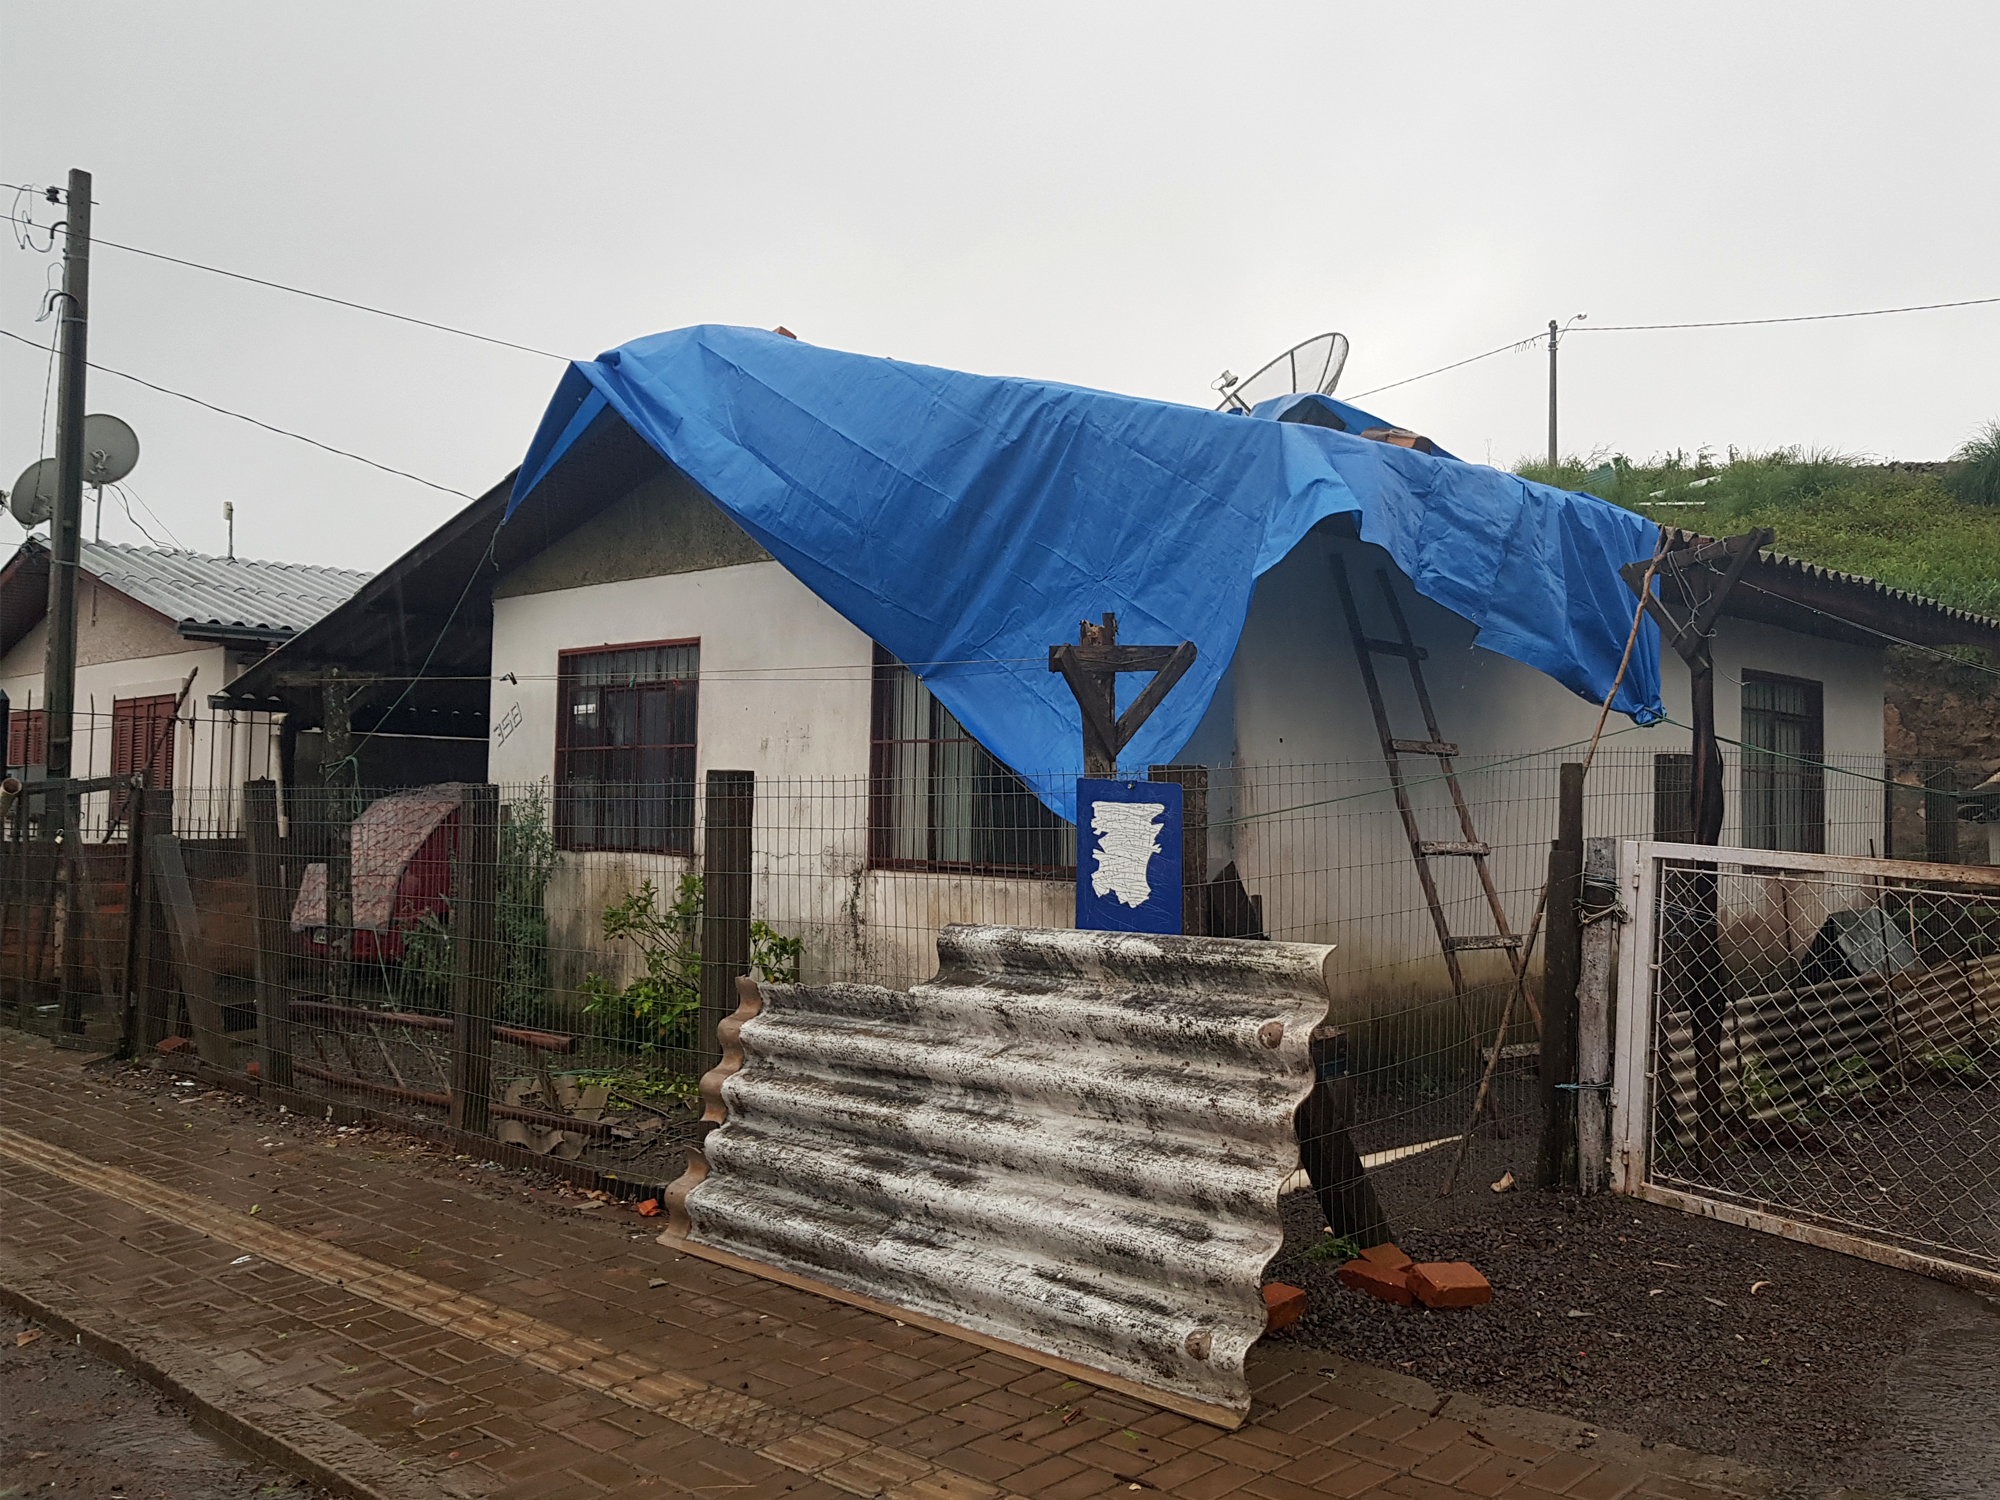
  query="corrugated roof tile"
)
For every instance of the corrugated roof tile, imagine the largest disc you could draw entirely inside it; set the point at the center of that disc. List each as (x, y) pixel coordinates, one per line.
(223, 593)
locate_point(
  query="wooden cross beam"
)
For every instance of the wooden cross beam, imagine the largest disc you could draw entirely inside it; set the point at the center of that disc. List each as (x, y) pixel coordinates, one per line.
(1691, 572)
(1091, 669)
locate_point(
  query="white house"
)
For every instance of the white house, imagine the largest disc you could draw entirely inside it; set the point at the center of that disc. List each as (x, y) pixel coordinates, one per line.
(633, 638)
(147, 618)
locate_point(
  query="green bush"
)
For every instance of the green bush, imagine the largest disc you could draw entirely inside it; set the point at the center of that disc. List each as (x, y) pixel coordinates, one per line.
(660, 1010)
(1925, 532)
(1975, 471)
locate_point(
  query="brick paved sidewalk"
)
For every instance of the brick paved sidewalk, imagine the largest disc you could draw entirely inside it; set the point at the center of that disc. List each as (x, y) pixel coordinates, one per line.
(394, 1332)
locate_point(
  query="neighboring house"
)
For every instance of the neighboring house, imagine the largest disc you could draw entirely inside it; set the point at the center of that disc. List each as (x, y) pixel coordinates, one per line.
(636, 638)
(147, 617)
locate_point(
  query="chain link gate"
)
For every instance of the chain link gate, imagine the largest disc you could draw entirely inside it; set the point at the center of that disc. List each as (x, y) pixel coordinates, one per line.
(1809, 1045)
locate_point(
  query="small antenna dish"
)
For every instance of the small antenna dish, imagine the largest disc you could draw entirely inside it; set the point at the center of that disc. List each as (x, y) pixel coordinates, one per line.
(1308, 369)
(33, 499)
(110, 449)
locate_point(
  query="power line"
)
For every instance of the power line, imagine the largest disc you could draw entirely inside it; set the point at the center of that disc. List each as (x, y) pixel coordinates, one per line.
(1457, 364)
(254, 422)
(1871, 630)
(1872, 312)
(279, 286)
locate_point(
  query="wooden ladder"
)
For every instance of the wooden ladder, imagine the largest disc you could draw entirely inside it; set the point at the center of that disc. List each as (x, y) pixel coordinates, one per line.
(1423, 850)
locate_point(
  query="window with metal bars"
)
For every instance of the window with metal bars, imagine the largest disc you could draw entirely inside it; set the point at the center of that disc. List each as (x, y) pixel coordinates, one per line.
(940, 801)
(625, 747)
(1784, 780)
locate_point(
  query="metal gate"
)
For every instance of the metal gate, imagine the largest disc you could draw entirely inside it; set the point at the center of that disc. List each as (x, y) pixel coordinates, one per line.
(1810, 1045)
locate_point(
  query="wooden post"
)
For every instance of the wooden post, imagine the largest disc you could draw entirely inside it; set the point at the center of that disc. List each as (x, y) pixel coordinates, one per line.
(339, 777)
(135, 925)
(211, 1042)
(1323, 1125)
(153, 952)
(725, 901)
(1594, 984)
(68, 933)
(1193, 781)
(1561, 959)
(267, 925)
(475, 959)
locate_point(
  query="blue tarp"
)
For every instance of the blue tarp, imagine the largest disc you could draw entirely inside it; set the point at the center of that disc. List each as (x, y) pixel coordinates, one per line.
(967, 522)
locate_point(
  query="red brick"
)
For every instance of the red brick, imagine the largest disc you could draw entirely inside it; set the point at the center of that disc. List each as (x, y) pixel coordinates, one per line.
(1387, 1255)
(1449, 1283)
(1283, 1305)
(1377, 1281)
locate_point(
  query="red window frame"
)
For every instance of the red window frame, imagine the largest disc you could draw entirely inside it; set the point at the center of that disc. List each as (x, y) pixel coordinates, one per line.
(625, 749)
(978, 816)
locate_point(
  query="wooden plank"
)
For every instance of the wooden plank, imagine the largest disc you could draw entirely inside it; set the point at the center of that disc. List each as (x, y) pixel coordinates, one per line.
(267, 925)
(728, 811)
(1593, 1015)
(1562, 959)
(1193, 782)
(155, 948)
(475, 958)
(184, 931)
(1490, 940)
(1468, 847)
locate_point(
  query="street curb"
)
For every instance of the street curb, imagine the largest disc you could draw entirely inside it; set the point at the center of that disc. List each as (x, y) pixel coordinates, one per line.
(302, 1443)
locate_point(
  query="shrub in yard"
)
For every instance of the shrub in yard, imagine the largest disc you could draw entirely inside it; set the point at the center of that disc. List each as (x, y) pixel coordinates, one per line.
(660, 1009)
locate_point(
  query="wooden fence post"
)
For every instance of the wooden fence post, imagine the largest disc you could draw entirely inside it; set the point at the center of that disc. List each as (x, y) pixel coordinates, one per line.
(211, 1042)
(1194, 843)
(1595, 977)
(152, 954)
(1560, 960)
(475, 880)
(1323, 1125)
(267, 925)
(725, 901)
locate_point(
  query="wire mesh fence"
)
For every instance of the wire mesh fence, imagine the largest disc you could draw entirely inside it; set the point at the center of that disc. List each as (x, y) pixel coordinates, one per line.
(1820, 1047)
(489, 959)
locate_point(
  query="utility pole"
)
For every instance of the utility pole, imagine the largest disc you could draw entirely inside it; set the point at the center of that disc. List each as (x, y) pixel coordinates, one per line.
(66, 525)
(1554, 457)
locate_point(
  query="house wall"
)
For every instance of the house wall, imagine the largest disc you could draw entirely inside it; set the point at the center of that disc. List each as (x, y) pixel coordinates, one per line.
(786, 692)
(1342, 872)
(125, 650)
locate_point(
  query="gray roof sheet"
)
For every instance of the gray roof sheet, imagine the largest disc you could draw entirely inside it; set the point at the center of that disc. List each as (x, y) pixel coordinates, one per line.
(222, 593)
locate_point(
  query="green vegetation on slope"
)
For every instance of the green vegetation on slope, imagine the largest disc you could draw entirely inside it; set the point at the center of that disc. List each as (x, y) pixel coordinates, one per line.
(1916, 529)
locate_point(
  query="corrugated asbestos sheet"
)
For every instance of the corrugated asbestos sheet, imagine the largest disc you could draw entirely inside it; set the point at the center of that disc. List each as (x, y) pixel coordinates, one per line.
(1067, 1144)
(229, 593)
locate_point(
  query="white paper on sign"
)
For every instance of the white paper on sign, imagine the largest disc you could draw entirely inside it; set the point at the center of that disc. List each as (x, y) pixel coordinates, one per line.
(1128, 836)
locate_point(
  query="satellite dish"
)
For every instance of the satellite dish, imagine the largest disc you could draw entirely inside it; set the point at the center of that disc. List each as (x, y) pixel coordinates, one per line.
(111, 448)
(33, 499)
(1308, 369)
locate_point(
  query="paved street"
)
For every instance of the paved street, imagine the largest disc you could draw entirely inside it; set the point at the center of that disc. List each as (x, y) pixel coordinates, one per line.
(355, 1309)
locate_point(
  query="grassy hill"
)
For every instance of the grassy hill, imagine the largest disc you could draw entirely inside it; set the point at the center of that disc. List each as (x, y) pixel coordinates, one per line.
(1911, 526)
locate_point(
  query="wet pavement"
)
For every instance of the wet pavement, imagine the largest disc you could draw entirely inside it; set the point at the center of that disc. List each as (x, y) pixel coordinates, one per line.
(421, 1326)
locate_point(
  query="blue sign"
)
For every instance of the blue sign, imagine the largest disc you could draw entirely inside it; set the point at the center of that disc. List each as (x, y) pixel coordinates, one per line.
(1128, 855)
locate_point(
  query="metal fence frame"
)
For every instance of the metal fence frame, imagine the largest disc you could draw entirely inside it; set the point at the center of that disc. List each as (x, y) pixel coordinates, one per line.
(1639, 865)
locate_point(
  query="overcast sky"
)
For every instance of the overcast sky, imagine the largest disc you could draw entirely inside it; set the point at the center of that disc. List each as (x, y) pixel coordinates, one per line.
(1125, 196)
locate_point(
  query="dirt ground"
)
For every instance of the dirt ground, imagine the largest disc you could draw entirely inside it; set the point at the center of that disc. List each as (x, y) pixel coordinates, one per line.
(1676, 1328)
(70, 1424)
